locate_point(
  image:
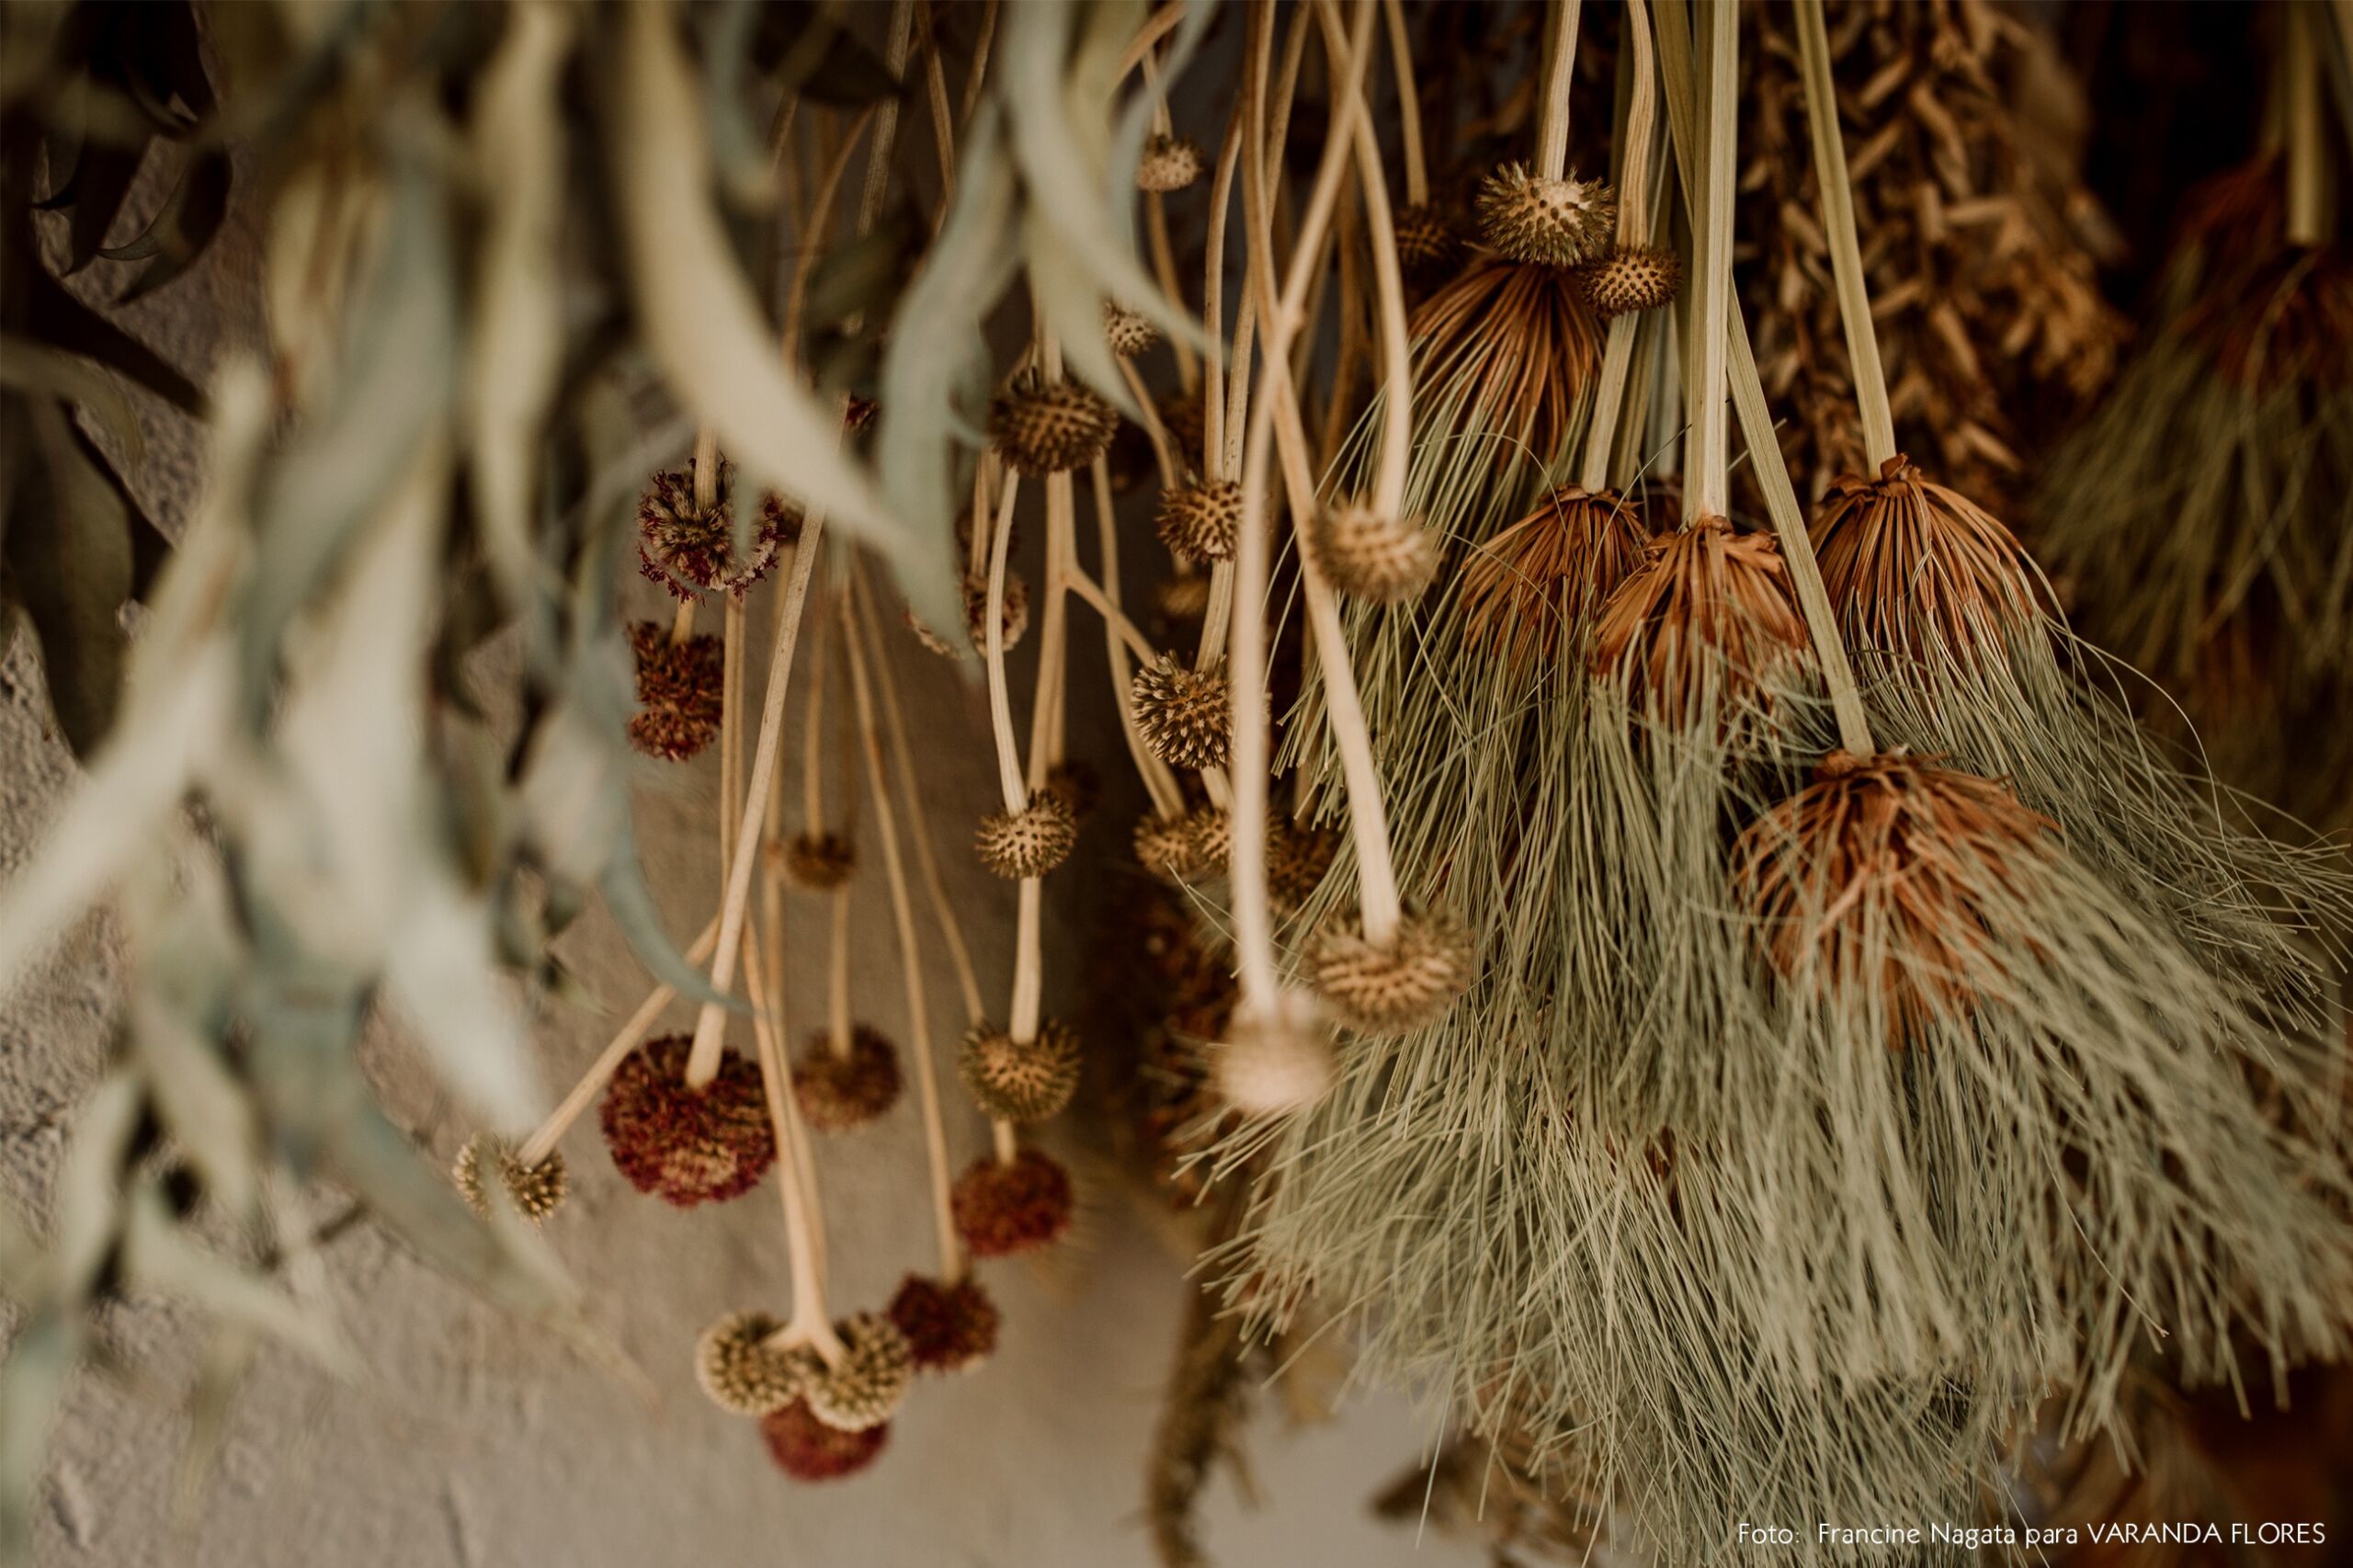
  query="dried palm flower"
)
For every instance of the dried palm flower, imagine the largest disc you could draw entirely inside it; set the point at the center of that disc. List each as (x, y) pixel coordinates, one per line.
(1029, 843)
(1298, 855)
(743, 1372)
(1004, 1208)
(866, 1387)
(690, 550)
(1127, 332)
(1380, 558)
(1020, 1081)
(1275, 1062)
(1632, 279)
(819, 861)
(951, 1327)
(1546, 223)
(807, 1450)
(1080, 787)
(537, 1191)
(1426, 239)
(1197, 520)
(1707, 609)
(678, 691)
(1524, 587)
(1396, 986)
(1504, 353)
(1039, 426)
(842, 1090)
(1184, 714)
(684, 1145)
(1169, 163)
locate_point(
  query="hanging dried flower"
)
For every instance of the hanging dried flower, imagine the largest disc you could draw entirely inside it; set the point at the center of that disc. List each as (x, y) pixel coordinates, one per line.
(807, 1450)
(819, 861)
(1918, 570)
(1208, 840)
(1164, 845)
(866, 1387)
(1506, 352)
(1632, 279)
(1393, 987)
(537, 1191)
(1039, 426)
(687, 1146)
(1198, 520)
(1002, 1209)
(1368, 556)
(1184, 714)
(839, 1091)
(1548, 223)
(1020, 1081)
(1029, 843)
(1707, 610)
(948, 1327)
(742, 1372)
(691, 551)
(1169, 163)
(1526, 588)
(678, 691)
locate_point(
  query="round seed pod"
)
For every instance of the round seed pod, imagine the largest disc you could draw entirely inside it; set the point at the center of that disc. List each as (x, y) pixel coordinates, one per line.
(1199, 520)
(690, 550)
(1002, 1209)
(1185, 419)
(1020, 1081)
(1209, 835)
(1426, 239)
(866, 1387)
(950, 1328)
(1275, 1060)
(681, 690)
(1397, 988)
(1181, 598)
(1298, 856)
(1015, 618)
(837, 1093)
(1632, 278)
(1549, 223)
(1030, 842)
(687, 1147)
(1169, 163)
(1080, 787)
(1164, 845)
(1185, 715)
(1040, 426)
(742, 1372)
(819, 861)
(1367, 556)
(1127, 332)
(537, 1191)
(807, 1450)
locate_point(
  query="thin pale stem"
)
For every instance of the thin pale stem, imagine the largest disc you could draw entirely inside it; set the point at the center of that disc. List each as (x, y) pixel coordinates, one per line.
(975, 77)
(1213, 394)
(1409, 105)
(811, 1323)
(837, 1018)
(1150, 415)
(1123, 631)
(1641, 121)
(706, 467)
(820, 221)
(1709, 475)
(2307, 173)
(1389, 289)
(1838, 227)
(682, 623)
(1164, 268)
(1159, 783)
(813, 731)
(1008, 756)
(1560, 73)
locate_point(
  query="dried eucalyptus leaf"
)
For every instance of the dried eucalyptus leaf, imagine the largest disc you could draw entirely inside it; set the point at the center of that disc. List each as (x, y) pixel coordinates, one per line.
(200, 1103)
(64, 321)
(159, 1255)
(32, 367)
(228, 1356)
(181, 233)
(41, 1363)
(86, 1215)
(631, 904)
(69, 550)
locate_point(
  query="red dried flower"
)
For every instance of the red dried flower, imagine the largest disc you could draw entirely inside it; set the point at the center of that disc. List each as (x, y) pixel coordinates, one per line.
(678, 688)
(807, 1450)
(683, 1145)
(692, 550)
(950, 1328)
(1002, 1209)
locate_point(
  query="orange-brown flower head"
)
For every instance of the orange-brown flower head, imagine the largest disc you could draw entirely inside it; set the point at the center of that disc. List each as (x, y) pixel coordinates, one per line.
(1548, 223)
(948, 1327)
(1005, 1208)
(1706, 607)
(842, 1090)
(1512, 348)
(1632, 279)
(1020, 1080)
(681, 690)
(1528, 584)
(866, 1387)
(807, 1450)
(1030, 842)
(1169, 163)
(687, 1146)
(537, 1191)
(1201, 520)
(1039, 426)
(1164, 845)
(1395, 987)
(1914, 568)
(1369, 555)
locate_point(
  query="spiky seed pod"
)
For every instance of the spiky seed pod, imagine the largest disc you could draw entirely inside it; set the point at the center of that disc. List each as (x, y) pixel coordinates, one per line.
(866, 1387)
(1039, 426)
(537, 1191)
(1029, 843)
(1368, 556)
(819, 861)
(1164, 845)
(1015, 618)
(1182, 599)
(690, 551)
(1185, 715)
(1006, 1208)
(742, 1372)
(948, 1328)
(1549, 223)
(1632, 279)
(1706, 605)
(807, 1450)
(1079, 786)
(838, 1093)
(1169, 163)
(687, 1146)
(1199, 520)
(1127, 332)
(680, 692)
(1298, 856)
(1397, 988)
(1523, 589)
(1020, 1081)
(1277, 1060)
(1208, 837)
(1426, 239)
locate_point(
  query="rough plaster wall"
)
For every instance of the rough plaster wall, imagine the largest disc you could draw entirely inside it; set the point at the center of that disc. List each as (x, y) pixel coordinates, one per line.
(472, 1444)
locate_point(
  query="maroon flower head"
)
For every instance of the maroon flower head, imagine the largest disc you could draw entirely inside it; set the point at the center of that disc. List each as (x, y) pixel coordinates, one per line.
(683, 1145)
(692, 550)
(950, 1328)
(1002, 1209)
(807, 1450)
(678, 691)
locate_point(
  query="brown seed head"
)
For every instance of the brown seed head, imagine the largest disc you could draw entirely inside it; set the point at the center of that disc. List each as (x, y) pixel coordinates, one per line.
(691, 551)
(1040, 426)
(1185, 715)
(1632, 279)
(1426, 239)
(950, 1328)
(866, 1387)
(1547, 223)
(1209, 834)
(1369, 556)
(1164, 845)
(1201, 520)
(819, 862)
(1525, 589)
(838, 1092)
(1298, 857)
(1029, 843)
(1515, 346)
(1020, 1081)
(742, 1372)
(1914, 568)
(680, 692)
(1079, 786)
(1169, 163)
(1005, 1208)
(1127, 332)
(687, 1146)
(1876, 875)
(1705, 603)
(807, 1450)
(1392, 989)
(537, 1191)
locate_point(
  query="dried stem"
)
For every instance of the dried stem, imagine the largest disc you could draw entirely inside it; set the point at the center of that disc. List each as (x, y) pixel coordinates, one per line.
(1709, 480)
(706, 467)
(682, 624)
(1123, 631)
(1409, 105)
(1839, 225)
(1640, 130)
(1389, 288)
(1008, 755)
(812, 728)
(838, 1021)
(1560, 73)
(2307, 174)
(811, 1323)
(1167, 800)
